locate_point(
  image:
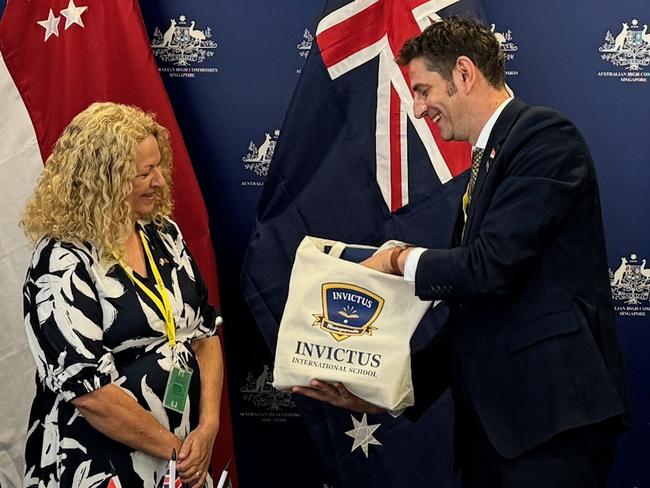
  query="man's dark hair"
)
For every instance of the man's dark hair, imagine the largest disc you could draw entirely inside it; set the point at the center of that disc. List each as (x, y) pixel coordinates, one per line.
(443, 42)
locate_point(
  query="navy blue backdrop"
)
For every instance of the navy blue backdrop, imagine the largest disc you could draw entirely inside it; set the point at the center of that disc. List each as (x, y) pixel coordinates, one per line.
(557, 56)
(590, 60)
(224, 104)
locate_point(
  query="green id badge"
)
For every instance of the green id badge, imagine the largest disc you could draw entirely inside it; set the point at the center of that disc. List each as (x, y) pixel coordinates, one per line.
(178, 386)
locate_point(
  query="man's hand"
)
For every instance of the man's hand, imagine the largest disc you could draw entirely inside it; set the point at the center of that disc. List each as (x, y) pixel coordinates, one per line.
(194, 457)
(336, 394)
(389, 260)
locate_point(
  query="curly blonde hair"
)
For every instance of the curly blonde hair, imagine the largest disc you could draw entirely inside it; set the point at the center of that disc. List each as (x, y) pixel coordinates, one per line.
(81, 196)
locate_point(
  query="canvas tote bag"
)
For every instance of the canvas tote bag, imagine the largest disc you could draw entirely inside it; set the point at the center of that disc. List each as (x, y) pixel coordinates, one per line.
(347, 323)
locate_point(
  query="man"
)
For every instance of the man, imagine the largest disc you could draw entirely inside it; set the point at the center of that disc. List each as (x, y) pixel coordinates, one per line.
(531, 348)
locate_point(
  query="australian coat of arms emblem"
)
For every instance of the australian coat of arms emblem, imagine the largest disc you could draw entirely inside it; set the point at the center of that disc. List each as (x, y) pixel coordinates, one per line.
(258, 390)
(258, 159)
(629, 48)
(505, 42)
(182, 43)
(631, 281)
(305, 45)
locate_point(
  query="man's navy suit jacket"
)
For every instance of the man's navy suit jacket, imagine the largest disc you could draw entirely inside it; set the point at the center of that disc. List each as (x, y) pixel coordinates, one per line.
(531, 328)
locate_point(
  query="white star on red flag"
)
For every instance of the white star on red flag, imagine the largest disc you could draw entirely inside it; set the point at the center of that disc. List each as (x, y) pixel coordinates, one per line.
(42, 87)
(72, 14)
(51, 25)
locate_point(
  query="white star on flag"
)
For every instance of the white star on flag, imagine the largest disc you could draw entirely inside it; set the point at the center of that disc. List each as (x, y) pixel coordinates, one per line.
(72, 14)
(362, 434)
(51, 25)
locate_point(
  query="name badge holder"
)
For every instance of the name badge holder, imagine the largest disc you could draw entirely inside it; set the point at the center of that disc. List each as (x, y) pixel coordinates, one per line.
(178, 381)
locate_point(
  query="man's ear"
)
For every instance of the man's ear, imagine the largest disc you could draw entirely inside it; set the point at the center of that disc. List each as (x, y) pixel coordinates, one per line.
(466, 73)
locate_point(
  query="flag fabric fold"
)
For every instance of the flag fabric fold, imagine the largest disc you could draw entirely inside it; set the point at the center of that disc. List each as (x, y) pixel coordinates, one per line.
(57, 57)
(353, 164)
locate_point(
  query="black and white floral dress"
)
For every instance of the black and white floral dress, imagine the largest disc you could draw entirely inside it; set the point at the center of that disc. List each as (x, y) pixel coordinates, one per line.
(89, 325)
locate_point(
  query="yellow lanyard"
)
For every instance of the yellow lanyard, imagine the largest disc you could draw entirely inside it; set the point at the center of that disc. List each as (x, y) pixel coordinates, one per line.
(164, 305)
(465, 204)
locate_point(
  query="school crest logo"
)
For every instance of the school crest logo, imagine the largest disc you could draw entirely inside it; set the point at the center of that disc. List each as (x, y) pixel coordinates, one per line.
(629, 49)
(182, 45)
(348, 310)
(258, 159)
(631, 286)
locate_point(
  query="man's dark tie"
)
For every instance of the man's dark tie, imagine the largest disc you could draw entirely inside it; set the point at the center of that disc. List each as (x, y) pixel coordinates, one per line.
(477, 155)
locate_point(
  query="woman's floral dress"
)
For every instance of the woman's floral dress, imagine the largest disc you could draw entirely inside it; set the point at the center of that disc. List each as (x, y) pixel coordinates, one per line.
(89, 325)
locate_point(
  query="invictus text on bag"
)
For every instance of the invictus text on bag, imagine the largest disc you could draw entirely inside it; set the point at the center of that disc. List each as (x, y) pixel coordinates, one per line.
(347, 323)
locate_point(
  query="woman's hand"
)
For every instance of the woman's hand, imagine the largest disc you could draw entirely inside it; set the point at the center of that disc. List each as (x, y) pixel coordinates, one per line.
(195, 455)
(196, 452)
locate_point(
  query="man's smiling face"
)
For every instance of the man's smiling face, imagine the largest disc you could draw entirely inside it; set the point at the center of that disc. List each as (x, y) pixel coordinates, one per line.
(438, 99)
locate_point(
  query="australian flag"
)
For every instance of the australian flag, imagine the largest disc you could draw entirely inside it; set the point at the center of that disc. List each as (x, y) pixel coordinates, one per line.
(353, 164)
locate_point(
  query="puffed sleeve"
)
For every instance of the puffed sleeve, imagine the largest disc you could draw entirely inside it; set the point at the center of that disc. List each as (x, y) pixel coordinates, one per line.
(63, 320)
(208, 319)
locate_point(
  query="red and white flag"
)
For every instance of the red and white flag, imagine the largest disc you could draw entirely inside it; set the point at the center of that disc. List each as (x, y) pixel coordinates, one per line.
(56, 58)
(168, 484)
(171, 476)
(114, 482)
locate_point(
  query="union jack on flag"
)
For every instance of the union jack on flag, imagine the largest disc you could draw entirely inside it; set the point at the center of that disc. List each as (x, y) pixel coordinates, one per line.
(366, 29)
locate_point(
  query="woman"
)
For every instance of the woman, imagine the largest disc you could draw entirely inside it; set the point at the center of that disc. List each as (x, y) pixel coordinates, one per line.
(129, 366)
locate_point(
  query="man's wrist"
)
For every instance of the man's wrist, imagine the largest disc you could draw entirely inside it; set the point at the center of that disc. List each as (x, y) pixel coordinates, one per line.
(397, 259)
(392, 260)
(401, 259)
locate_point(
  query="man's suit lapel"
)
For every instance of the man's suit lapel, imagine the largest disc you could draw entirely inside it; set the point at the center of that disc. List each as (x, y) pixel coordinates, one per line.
(491, 155)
